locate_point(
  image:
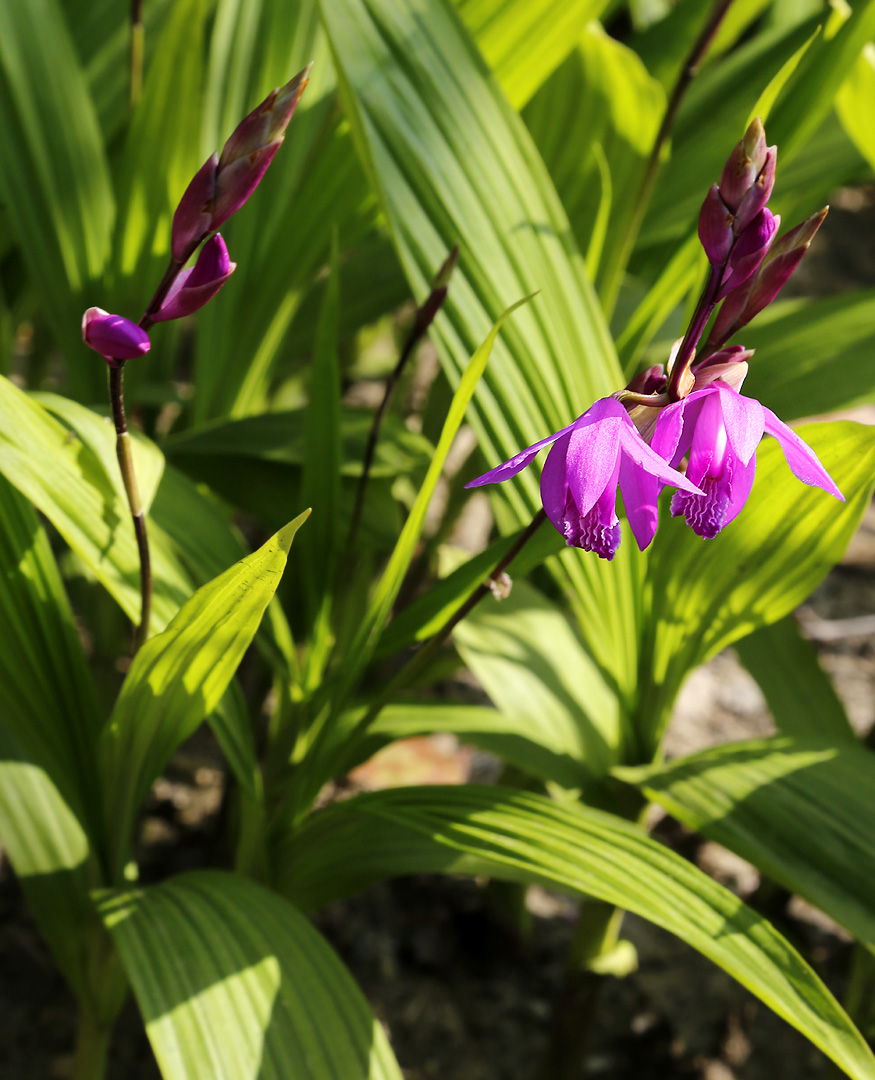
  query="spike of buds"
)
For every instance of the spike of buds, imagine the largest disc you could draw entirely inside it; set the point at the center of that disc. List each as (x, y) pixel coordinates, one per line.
(750, 250)
(224, 182)
(116, 338)
(715, 227)
(745, 302)
(195, 286)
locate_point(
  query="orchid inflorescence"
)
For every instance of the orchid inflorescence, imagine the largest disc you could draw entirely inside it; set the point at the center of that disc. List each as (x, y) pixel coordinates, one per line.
(219, 189)
(690, 408)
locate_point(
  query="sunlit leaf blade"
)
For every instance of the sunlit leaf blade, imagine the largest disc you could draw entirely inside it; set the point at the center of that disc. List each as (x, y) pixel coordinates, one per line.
(49, 721)
(53, 169)
(178, 678)
(799, 693)
(530, 662)
(523, 42)
(602, 104)
(233, 983)
(852, 100)
(452, 163)
(708, 593)
(49, 851)
(799, 809)
(524, 837)
(813, 355)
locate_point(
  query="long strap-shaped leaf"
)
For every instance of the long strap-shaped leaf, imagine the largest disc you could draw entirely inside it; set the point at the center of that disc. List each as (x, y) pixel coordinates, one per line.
(234, 983)
(179, 677)
(799, 809)
(524, 837)
(452, 163)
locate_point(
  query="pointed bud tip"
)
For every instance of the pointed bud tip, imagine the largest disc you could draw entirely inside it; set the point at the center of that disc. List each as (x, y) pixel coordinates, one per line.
(442, 277)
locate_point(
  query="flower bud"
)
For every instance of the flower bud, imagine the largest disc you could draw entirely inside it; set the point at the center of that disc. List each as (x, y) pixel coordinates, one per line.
(252, 145)
(750, 250)
(223, 184)
(744, 303)
(194, 287)
(435, 300)
(650, 381)
(116, 338)
(729, 366)
(715, 227)
(758, 193)
(191, 221)
(744, 165)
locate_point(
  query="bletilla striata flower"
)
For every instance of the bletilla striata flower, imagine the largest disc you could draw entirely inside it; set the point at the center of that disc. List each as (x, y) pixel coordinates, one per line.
(721, 429)
(590, 457)
(195, 286)
(113, 336)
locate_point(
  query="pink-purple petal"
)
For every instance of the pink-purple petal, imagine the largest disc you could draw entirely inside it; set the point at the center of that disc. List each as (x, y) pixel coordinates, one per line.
(637, 450)
(591, 459)
(519, 461)
(640, 494)
(743, 419)
(554, 483)
(804, 463)
(742, 483)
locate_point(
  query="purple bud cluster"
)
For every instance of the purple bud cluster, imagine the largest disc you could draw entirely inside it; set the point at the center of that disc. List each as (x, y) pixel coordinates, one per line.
(219, 189)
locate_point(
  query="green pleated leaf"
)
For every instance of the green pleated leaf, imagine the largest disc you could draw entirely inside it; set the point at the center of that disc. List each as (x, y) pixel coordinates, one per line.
(49, 721)
(707, 594)
(233, 983)
(813, 356)
(320, 474)
(532, 665)
(852, 102)
(452, 163)
(523, 42)
(799, 693)
(799, 809)
(53, 169)
(595, 121)
(179, 677)
(525, 837)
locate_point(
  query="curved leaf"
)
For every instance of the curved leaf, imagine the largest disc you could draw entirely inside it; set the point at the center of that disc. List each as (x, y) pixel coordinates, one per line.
(234, 983)
(178, 678)
(799, 809)
(524, 837)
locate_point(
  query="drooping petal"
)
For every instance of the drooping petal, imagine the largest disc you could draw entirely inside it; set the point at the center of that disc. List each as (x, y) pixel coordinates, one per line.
(640, 493)
(598, 529)
(804, 463)
(554, 484)
(743, 419)
(518, 462)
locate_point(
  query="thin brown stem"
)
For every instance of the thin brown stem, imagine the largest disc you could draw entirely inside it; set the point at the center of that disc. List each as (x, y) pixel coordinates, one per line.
(421, 659)
(129, 479)
(688, 72)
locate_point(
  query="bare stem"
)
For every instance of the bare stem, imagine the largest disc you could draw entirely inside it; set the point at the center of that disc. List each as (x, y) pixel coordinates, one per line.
(688, 72)
(129, 478)
(420, 659)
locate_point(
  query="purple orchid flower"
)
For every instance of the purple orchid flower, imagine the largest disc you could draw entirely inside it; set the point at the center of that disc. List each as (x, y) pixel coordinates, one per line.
(195, 286)
(600, 450)
(116, 338)
(721, 429)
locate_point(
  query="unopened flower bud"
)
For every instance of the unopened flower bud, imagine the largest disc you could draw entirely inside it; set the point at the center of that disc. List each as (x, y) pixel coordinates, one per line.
(116, 338)
(730, 366)
(194, 287)
(758, 193)
(224, 183)
(715, 227)
(650, 381)
(252, 146)
(753, 296)
(744, 165)
(435, 299)
(750, 250)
